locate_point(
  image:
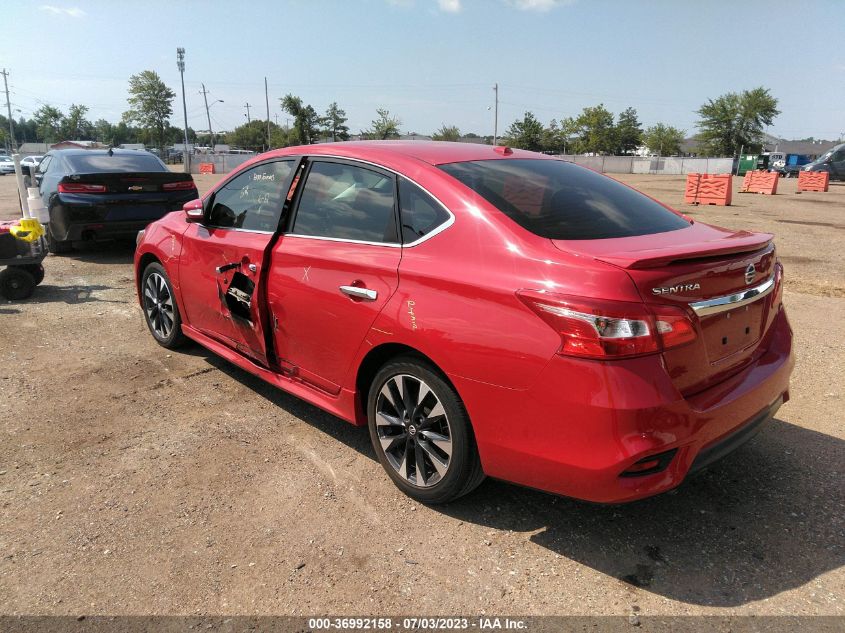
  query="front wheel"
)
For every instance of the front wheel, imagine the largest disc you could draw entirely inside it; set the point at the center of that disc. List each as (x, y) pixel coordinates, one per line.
(160, 309)
(421, 432)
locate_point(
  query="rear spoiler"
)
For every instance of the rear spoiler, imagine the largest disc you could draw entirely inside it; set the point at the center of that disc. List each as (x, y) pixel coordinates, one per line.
(654, 258)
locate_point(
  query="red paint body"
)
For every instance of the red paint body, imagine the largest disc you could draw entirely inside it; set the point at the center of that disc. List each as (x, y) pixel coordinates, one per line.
(560, 423)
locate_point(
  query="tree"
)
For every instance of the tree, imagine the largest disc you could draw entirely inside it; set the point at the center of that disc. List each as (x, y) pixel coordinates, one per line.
(525, 134)
(629, 132)
(385, 126)
(447, 133)
(305, 119)
(553, 140)
(735, 120)
(594, 131)
(48, 120)
(250, 135)
(663, 140)
(150, 104)
(334, 123)
(75, 125)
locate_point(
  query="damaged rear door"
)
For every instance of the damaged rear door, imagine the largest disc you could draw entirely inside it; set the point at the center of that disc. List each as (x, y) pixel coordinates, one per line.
(224, 257)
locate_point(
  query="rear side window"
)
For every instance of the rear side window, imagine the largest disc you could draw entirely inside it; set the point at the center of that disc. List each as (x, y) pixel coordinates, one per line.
(252, 200)
(347, 202)
(562, 201)
(420, 213)
(96, 162)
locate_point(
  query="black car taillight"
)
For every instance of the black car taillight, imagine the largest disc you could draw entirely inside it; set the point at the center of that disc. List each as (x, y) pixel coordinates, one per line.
(181, 185)
(81, 187)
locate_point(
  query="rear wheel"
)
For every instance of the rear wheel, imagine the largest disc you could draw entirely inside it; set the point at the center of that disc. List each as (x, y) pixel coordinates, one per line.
(57, 247)
(160, 309)
(421, 432)
(16, 283)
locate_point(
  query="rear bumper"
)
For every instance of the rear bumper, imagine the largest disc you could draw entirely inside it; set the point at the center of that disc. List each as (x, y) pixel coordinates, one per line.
(75, 218)
(584, 423)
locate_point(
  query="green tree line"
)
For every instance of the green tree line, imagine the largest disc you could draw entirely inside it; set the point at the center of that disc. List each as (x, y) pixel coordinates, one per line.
(726, 125)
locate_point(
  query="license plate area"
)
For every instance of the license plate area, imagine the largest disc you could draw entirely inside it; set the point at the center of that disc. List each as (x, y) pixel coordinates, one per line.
(729, 332)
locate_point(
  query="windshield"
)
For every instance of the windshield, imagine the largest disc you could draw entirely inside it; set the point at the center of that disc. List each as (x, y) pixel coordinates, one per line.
(561, 201)
(132, 162)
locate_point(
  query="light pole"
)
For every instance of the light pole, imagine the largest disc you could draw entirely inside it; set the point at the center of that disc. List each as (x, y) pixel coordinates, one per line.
(496, 114)
(180, 63)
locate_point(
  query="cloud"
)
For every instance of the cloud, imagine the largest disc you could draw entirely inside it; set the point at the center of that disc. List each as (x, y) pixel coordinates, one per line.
(449, 6)
(540, 6)
(73, 12)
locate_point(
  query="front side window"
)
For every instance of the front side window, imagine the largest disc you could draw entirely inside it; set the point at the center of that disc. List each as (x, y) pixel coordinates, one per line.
(252, 200)
(561, 201)
(347, 202)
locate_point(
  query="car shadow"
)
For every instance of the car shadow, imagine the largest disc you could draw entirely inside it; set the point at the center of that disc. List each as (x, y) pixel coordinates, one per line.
(47, 293)
(764, 520)
(102, 252)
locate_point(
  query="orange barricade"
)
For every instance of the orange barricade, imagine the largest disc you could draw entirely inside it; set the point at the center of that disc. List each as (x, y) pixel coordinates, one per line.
(206, 168)
(760, 182)
(813, 181)
(708, 189)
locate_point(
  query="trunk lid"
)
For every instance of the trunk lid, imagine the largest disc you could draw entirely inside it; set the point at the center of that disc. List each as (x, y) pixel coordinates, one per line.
(134, 182)
(694, 265)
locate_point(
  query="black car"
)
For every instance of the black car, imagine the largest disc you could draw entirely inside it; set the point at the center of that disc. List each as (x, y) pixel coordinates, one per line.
(111, 193)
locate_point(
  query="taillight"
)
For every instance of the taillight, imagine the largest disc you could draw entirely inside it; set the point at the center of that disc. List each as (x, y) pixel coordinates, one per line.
(80, 187)
(181, 185)
(598, 328)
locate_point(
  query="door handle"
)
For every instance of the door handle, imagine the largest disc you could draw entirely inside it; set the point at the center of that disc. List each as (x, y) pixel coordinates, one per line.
(225, 267)
(359, 293)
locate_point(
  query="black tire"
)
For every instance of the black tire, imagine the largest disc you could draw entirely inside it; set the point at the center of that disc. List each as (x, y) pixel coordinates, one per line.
(57, 247)
(461, 472)
(160, 309)
(16, 283)
(36, 270)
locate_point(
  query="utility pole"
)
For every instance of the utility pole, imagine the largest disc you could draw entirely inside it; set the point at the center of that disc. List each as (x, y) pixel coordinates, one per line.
(267, 102)
(247, 106)
(12, 142)
(204, 94)
(180, 63)
(496, 114)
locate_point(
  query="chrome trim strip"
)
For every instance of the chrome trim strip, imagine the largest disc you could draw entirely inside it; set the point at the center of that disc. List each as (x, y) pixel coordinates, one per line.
(341, 239)
(735, 300)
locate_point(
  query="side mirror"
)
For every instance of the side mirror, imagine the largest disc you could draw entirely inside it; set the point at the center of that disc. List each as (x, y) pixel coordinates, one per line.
(193, 211)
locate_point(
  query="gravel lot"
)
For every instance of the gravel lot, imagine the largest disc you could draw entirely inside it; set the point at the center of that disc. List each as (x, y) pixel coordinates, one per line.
(134, 480)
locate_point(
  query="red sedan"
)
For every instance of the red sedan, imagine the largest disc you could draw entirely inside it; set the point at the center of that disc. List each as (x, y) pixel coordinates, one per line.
(485, 311)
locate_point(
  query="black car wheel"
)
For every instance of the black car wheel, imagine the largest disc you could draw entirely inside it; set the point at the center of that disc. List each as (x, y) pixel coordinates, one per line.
(421, 432)
(16, 283)
(160, 309)
(57, 247)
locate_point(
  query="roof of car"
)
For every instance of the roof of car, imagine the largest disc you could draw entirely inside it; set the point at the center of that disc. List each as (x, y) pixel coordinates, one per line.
(432, 152)
(96, 152)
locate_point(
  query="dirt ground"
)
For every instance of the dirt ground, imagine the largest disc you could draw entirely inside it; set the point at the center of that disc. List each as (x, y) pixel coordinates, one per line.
(134, 480)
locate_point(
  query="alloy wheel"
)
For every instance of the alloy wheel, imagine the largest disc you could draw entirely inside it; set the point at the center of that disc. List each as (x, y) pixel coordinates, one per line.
(413, 430)
(158, 304)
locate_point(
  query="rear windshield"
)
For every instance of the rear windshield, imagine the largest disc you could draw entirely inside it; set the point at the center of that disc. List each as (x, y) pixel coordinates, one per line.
(136, 161)
(562, 201)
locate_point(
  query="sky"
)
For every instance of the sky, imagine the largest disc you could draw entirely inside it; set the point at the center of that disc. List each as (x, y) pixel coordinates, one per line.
(433, 62)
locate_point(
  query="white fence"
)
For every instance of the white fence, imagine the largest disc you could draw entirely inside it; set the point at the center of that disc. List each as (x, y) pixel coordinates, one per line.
(653, 165)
